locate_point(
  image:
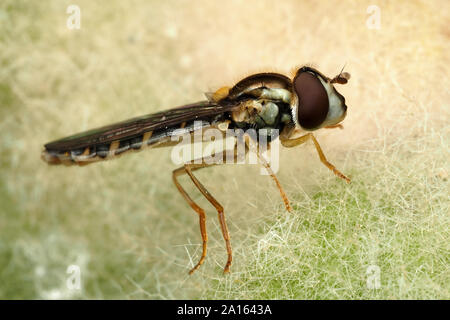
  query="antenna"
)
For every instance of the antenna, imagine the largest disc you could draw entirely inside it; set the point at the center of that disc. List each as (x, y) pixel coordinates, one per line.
(342, 77)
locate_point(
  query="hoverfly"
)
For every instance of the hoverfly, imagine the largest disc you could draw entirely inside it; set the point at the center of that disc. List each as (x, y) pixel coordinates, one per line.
(306, 103)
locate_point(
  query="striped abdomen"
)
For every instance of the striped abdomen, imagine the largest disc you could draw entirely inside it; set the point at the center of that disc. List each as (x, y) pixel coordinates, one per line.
(110, 150)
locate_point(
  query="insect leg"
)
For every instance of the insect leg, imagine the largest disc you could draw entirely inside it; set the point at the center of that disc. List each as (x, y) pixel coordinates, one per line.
(200, 212)
(188, 168)
(325, 161)
(219, 208)
(277, 182)
(270, 171)
(289, 143)
(340, 126)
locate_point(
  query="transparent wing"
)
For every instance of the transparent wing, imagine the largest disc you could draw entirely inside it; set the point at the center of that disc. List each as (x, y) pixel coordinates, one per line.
(139, 125)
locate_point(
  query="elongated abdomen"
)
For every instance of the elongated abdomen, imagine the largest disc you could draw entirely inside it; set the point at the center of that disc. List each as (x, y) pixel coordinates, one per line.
(110, 150)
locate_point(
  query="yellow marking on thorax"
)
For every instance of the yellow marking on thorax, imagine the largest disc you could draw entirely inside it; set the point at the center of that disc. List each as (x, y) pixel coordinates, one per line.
(221, 93)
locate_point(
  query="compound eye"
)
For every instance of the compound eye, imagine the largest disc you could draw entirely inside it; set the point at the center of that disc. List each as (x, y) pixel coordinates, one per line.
(312, 100)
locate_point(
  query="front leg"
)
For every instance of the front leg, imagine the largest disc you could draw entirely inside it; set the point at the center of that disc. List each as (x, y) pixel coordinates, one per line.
(289, 143)
(340, 126)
